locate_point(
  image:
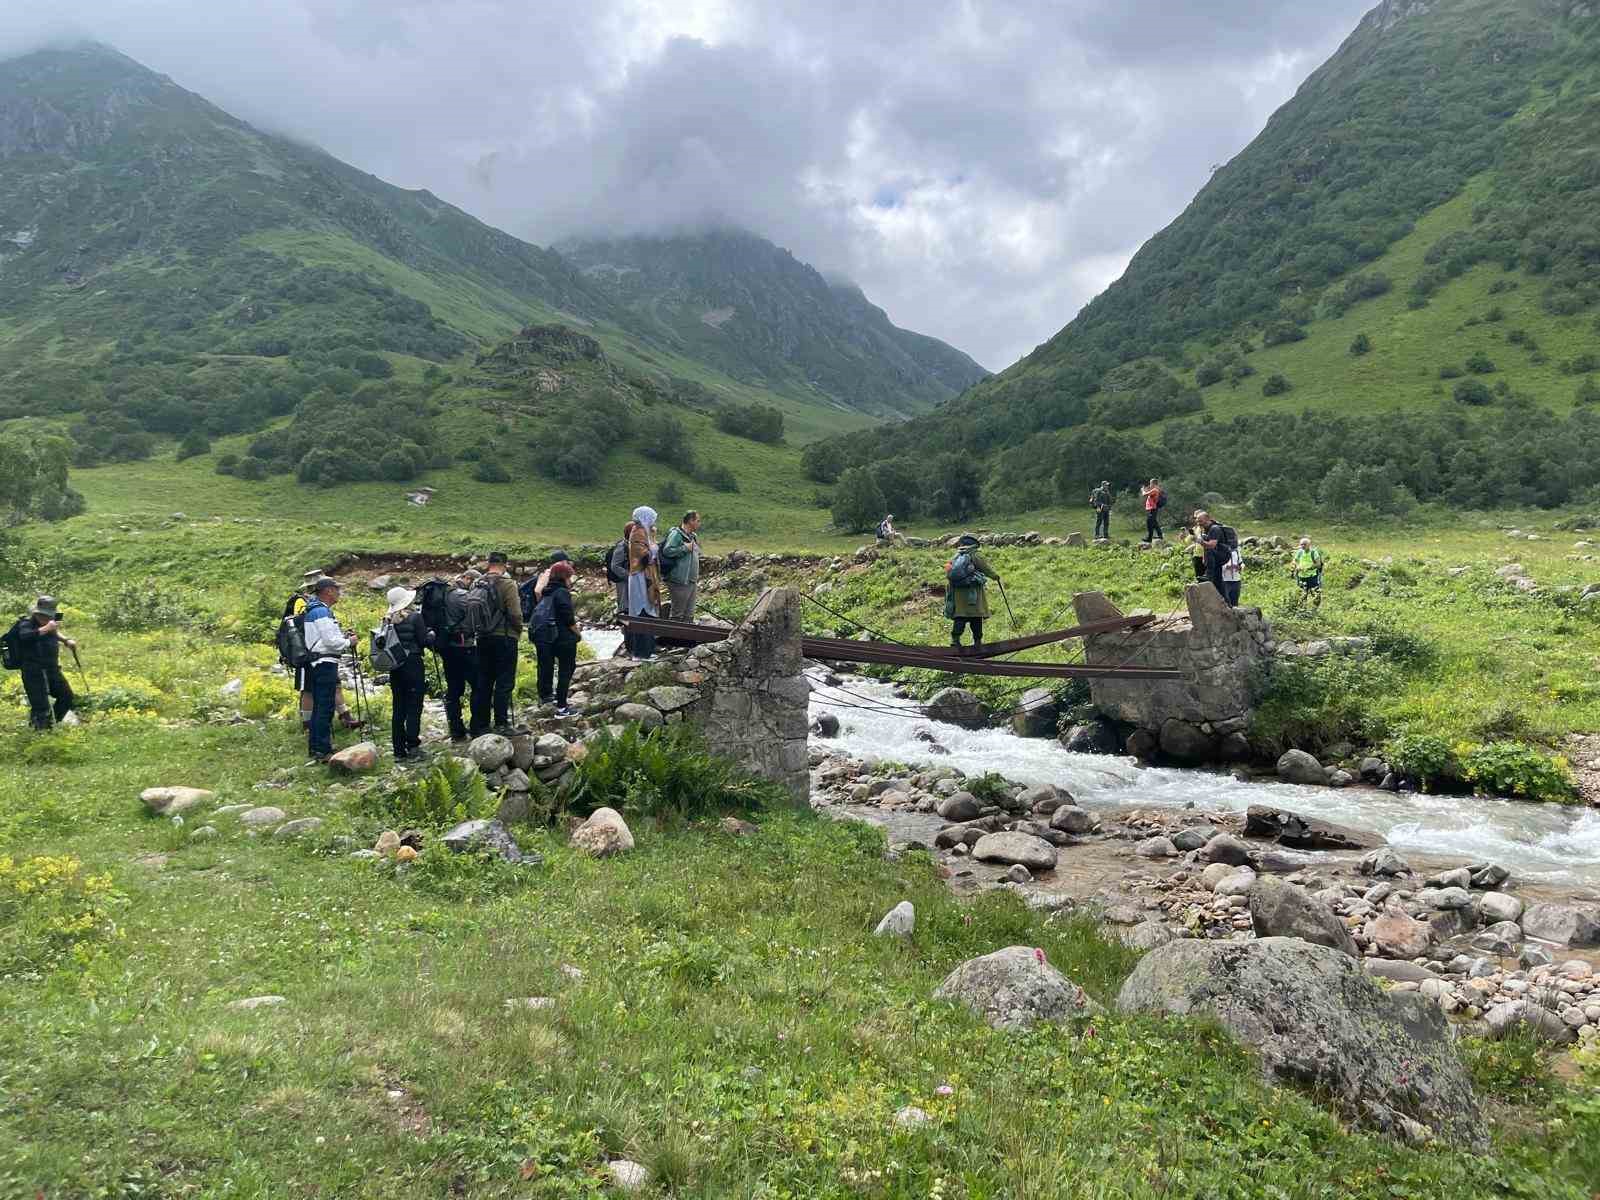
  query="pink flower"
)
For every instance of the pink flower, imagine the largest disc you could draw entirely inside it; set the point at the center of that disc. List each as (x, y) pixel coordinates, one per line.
(944, 1089)
(1038, 955)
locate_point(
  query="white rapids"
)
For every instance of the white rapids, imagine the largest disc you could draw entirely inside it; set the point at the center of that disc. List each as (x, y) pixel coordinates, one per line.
(1538, 842)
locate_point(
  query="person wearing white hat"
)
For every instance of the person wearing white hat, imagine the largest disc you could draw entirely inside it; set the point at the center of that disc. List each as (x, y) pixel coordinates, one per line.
(407, 679)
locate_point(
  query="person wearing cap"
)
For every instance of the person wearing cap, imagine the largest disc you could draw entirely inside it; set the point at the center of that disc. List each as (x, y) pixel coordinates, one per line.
(555, 638)
(39, 643)
(1308, 573)
(497, 645)
(458, 652)
(408, 681)
(302, 681)
(1101, 500)
(966, 593)
(326, 643)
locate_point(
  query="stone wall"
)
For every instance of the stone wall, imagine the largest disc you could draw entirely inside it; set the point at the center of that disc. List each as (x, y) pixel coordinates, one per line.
(1221, 651)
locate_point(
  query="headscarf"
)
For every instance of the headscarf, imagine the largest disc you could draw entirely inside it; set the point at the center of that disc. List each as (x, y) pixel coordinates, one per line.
(645, 515)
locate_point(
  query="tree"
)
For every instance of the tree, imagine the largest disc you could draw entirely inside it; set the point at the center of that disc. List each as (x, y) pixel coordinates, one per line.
(1340, 491)
(33, 479)
(194, 444)
(954, 488)
(1275, 385)
(1272, 498)
(1480, 363)
(857, 503)
(1473, 391)
(1361, 345)
(489, 470)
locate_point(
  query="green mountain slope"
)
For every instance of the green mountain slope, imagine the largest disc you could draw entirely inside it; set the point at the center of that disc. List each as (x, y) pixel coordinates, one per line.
(764, 317)
(169, 271)
(1428, 199)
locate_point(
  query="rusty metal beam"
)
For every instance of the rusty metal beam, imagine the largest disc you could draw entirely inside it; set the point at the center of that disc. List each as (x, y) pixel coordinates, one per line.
(1012, 645)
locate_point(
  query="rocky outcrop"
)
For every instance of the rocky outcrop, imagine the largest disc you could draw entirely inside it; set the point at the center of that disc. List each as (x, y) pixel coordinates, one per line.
(1219, 650)
(1318, 1022)
(1015, 988)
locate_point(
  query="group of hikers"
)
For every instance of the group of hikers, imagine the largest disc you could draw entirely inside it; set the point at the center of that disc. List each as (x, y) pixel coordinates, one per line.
(473, 623)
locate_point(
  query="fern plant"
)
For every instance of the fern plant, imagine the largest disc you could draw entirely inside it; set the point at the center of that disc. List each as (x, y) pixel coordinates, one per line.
(446, 795)
(666, 773)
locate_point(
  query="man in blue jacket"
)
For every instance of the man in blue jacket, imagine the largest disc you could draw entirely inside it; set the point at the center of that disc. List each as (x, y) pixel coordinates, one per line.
(326, 644)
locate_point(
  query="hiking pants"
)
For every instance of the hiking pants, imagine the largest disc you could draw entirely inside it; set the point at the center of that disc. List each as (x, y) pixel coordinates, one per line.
(497, 675)
(460, 673)
(39, 684)
(1102, 523)
(558, 656)
(1152, 524)
(324, 683)
(1230, 591)
(682, 600)
(961, 623)
(405, 695)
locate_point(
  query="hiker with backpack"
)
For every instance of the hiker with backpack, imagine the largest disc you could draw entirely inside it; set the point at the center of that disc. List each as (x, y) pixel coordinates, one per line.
(1155, 499)
(644, 578)
(1224, 566)
(680, 558)
(555, 637)
(325, 645)
(33, 646)
(966, 596)
(298, 603)
(887, 534)
(1307, 569)
(497, 642)
(537, 588)
(454, 613)
(617, 569)
(1101, 500)
(398, 645)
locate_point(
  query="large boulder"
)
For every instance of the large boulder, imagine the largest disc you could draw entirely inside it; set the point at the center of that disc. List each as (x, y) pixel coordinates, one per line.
(1520, 1015)
(1184, 743)
(957, 706)
(961, 806)
(1225, 848)
(1296, 766)
(1384, 863)
(488, 835)
(1014, 988)
(352, 760)
(1317, 1021)
(605, 833)
(1563, 924)
(1036, 714)
(1093, 737)
(1399, 935)
(169, 801)
(1032, 852)
(1279, 909)
(490, 751)
(1303, 833)
(1069, 818)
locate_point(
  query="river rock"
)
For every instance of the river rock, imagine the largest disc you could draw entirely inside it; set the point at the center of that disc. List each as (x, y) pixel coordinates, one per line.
(168, 801)
(1225, 848)
(1296, 766)
(1093, 737)
(1397, 934)
(262, 817)
(490, 751)
(960, 806)
(643, 715)
(825, 725)
(1069, 818)
(1458, 878)
(1302, 833)
(1279, 909)
(1488, 875)
(1034, 853)
(1215, 874)
(1563, 924)
(1445, 898)
(1183, 743)
(1036, 714)
(957, 706)
(1398, 970)
(490, 835)
(1499, 906)
(1385, 863)
(899, 921)
(1237, 882)
(298, 827)
(1193, 838)
(1504, 1019)
(1317, 1021)
(1042, 799)
(1502, 938)
(604, 834)
(1147, 935)
(628, 1176)
(1014, 988)
(549, 745)
(1156, 847)
(352, 760)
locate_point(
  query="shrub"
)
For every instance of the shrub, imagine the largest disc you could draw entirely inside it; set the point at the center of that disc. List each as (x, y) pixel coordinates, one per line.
(489, 470)
(1316, 703)
(1480, 363)
(52, 915)
(988, 788)
(1361, 345)
(1513, 769)
(858, 503)
(717, 477)
(447, 795)
(1495, 314)
(399, 464)
(227, 464)
(1275, 385)
(126, 692)
(1588, 391)
(669, 493)
(250, 468)
(264, 695)
(1425, 757)
(137, 605)
(1209, 373)
(758, 422)
(194, 445)
(663, 773)
(1473, 391)
(1282, 332)
(1449, 371)
(1515, 1069)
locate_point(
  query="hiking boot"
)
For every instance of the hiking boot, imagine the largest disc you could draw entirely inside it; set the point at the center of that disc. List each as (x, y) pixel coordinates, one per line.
(459, 737)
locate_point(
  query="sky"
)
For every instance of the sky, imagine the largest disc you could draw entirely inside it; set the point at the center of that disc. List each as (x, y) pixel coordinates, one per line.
(981, 168)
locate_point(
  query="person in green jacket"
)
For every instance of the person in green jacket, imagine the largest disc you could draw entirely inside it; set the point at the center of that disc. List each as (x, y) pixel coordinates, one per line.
(680, 561)
(966, 595)
(1308, 572)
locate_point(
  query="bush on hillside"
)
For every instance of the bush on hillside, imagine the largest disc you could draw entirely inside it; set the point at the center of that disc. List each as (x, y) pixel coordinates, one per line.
(226, 464)
(1480, 363)
(193, 445)
(1361, 345)
(1472, 391)
(669, 493)
(858, 505)
(1282, 332)
(757, 422)
(1449, 371)
(1272, 498)
(250, 468)
(489, 470)
(1512, 769)
(1588, 392)
(1275, 385)
(138, 605)
(717, 477)
(663, 437)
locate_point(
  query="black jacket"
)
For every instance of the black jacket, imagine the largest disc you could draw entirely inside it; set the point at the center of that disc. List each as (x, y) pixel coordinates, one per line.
(559, 598)
(415, 636)
(38, 649)
(1227, 540)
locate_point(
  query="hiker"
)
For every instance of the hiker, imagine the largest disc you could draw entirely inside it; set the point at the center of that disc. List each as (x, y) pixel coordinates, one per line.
(497, 643)
(1222, 548)
(36, 640)
(558, 556)
(887, 534)
(1100, 500)
(1308, 573)
(966, 596)
(617, 569)
(644, 578)
(555, 638)
(680, 558)
(302, 679)
(407, 677)
(457, 646)
(1195, 536)
(326, 643)
(1155, 499)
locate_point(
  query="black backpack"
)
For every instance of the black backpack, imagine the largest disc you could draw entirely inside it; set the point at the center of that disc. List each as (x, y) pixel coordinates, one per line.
(525, 597)
(1161, 499)
(433, 601)
(11, 646)
(291, 634)
(542, 622)
(617, 562)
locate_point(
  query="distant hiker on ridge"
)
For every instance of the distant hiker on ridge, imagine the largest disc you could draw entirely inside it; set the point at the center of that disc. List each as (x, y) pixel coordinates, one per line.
(1101, 500)
(966, 595)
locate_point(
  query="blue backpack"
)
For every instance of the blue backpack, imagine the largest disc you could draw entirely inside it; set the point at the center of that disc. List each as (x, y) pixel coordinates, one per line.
(963, 572)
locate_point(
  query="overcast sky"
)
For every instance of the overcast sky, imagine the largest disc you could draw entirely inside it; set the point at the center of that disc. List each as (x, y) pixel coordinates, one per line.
(982, 168)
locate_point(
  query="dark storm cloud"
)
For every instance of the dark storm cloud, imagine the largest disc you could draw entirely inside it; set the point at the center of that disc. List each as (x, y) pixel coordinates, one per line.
(980, 167)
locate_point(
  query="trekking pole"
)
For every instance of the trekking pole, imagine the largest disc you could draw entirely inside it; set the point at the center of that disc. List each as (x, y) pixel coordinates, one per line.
(82, 674)
(1011, 616)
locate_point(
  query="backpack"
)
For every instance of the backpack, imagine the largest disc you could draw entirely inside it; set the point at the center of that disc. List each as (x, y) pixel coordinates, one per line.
(883, 529)
(11, 646)
(1161, 499)
(617, 562)
(291, 640)
(962, 572)
(483, 601)
(433, 599)
(525, 597)
(386, 650)
(542, 624)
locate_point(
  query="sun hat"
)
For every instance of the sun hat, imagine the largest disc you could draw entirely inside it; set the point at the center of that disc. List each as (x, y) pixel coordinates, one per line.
(400, 598)
(966, 539)
(45, 606)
